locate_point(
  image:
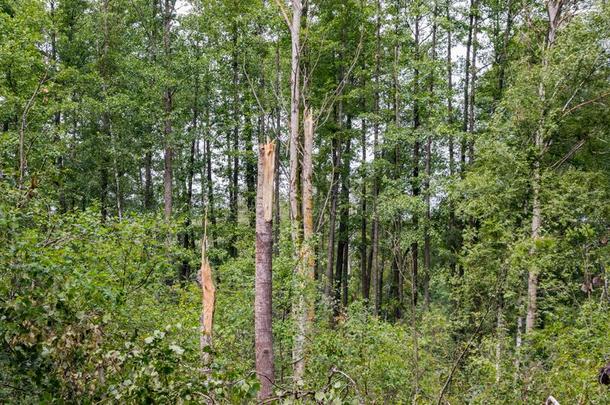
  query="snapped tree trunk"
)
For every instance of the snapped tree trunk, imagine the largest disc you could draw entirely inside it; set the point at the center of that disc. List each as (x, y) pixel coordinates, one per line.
(263, 337)
(295, 213)
(208, 297)
(303, 309)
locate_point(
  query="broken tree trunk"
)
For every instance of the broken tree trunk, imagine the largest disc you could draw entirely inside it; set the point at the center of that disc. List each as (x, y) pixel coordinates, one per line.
(303, 308)
(208, 297)
(263, 338)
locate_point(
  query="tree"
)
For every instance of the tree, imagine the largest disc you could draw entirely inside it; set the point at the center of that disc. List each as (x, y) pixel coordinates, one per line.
(263, 284)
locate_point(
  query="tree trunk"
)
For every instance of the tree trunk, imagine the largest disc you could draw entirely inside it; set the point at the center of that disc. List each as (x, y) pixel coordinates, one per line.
(499, 336)
(343, 243)
(308, 256)
(300, 306)
(473, 81)
(294, 121)
(396, 288)
(167, 110)
(427, 242)
(365, 281)
(188, 239)
(554, 13)
(148, 187)
(532, 282)
(415, 171)
(329, 285)
(467, 98)
(251, 171)
(208, 299)
(450, 89)
(277, 112)
(450, 120)
(234, 149)
(374, 268)
(503, 57)
(208, 168)
(263, 277)
(304, 306)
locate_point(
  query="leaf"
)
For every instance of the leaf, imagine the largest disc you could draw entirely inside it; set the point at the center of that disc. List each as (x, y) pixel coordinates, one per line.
(176, 349)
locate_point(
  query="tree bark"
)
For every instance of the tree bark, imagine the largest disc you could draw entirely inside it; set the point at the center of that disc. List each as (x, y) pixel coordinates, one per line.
(295, 29)
(300, 305)
(334, 187)
(365, 274)
(473, 82)
(374, 268)
(304, 309)
(450, 120)
(415, 170)
(234, 148)
(263, 277)
(277, 112)
(208, 167)
(251, 170)
(450, 89)
(168, 152)
(554, 8)
(467, 98)
(341, 273)
(188, 239)
(428, 169)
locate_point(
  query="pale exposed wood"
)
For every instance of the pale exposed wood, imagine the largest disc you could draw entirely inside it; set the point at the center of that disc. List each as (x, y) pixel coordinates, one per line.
(267, 154)
(307, 175)
(208, 299)
(551, 401)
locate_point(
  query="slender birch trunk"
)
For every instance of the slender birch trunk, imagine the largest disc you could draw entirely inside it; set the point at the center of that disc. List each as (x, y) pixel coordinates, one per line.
(554, 8)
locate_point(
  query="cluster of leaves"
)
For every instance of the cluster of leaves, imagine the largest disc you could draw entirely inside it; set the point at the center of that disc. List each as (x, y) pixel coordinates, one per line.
(81, 304)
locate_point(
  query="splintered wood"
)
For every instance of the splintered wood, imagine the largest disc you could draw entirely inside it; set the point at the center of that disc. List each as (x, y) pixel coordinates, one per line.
(307, 177)
(268, 156)
(208, 291)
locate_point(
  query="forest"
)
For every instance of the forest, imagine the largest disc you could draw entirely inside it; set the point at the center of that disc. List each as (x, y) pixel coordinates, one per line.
(305, 201)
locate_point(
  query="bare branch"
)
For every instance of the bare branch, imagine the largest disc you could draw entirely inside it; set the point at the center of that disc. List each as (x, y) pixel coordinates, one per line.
(24, 117)
(285, 14)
